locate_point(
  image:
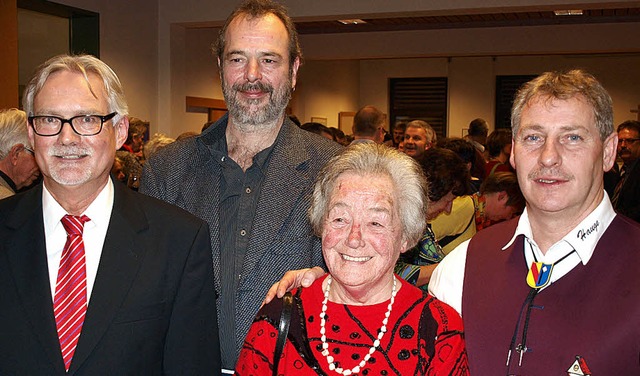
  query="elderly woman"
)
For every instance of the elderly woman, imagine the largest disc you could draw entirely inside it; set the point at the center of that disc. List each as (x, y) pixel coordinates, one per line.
(368, 206)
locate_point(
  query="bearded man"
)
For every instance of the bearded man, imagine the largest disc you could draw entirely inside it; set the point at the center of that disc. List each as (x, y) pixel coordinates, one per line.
(250, 174)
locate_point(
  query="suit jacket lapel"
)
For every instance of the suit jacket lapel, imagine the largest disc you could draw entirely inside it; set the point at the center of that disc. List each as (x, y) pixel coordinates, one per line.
(118, 267)
(285, 182)
(27, 257)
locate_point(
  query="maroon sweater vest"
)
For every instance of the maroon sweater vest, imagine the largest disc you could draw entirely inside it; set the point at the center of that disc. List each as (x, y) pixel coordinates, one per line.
(592, 312)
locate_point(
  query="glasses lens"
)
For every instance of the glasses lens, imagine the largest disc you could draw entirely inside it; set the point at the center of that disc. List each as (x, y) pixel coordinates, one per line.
(87, 125)
(46, 125)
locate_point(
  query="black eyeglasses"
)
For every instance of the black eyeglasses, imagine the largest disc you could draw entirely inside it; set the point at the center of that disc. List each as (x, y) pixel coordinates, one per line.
(628, 141)
(84, 125)
(29, 150)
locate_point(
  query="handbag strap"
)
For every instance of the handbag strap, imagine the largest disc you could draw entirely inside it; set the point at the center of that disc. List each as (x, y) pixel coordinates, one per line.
(283, 329)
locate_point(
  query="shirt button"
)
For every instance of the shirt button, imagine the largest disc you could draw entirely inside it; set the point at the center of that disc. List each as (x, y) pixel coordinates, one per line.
(247, 190)
(243, 232)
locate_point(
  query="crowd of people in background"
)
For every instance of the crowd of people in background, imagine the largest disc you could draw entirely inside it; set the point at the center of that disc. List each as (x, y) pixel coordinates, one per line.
(394, 230)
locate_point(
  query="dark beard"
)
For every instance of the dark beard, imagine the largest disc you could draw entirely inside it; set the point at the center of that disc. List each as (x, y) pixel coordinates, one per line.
(250, 112)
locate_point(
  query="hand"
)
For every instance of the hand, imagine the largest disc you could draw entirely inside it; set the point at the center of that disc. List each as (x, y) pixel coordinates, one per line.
(291, 280)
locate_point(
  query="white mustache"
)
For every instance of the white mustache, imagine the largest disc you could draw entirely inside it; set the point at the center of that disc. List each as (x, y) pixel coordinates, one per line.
(63, 151)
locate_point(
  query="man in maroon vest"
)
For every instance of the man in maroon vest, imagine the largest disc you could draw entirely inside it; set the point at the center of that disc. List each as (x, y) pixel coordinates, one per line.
(555, 291)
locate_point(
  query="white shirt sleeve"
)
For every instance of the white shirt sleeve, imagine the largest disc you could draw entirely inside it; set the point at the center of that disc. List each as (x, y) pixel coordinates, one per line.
(448, 277)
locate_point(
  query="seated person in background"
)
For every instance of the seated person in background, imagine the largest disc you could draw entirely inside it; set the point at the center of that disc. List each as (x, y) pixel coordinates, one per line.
(448, 178)
(498, 151)
(369, 205)
(499, 199)
(18, 168)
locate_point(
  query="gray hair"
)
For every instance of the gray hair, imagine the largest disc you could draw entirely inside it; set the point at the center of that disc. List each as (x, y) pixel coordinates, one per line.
(83, 64)
(431, 134)
(564, 86)
(410, 185)
(13, 130)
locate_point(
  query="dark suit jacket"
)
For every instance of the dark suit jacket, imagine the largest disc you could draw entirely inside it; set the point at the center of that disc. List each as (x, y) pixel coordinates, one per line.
(186, 174)
(152, 309)
(629, 200)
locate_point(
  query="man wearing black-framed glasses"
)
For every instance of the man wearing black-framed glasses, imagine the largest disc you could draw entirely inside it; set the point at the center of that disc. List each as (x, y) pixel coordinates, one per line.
(96, 278)
(626, 196)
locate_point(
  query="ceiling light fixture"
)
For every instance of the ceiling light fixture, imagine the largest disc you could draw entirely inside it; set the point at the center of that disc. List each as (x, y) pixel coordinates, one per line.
(354, 21)
(568, 12)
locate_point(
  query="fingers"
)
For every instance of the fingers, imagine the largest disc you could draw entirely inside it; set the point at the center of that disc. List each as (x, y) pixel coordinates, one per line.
(311, 275)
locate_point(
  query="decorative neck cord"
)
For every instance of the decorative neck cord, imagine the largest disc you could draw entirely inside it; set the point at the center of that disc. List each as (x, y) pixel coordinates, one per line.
(376, 343)
(522, 348)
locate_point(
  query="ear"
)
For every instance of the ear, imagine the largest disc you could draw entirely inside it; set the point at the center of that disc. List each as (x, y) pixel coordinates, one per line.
(609, 150)
(294, 72)
(121, 131)
(502, 196)
(512, 158)
(14, 153)
(403, 246)
(32, 135)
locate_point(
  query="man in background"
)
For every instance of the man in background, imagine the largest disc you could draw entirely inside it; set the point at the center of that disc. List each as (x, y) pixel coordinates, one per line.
(368, 125)
(250, 174)
(478, 131)
(626, 195)
(418, 137)
(18, 168)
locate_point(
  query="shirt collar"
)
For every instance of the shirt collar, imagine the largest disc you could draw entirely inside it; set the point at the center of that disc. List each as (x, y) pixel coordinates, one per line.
(99, 211)
(584, 237)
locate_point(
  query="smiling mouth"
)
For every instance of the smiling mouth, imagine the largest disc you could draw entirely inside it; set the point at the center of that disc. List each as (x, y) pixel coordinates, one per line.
(355, 259)
(71, 157)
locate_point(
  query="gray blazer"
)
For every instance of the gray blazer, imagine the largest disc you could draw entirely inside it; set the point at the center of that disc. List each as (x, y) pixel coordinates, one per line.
(185, 174)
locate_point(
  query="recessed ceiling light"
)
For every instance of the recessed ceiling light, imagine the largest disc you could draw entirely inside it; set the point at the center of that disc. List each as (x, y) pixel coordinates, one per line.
(354, 21)
(568, 12)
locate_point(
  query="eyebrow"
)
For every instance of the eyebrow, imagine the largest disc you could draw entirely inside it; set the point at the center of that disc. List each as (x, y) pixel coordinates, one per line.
(260, 54)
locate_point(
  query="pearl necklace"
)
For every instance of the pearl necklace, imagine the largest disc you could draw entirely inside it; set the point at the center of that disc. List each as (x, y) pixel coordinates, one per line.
(376, 343)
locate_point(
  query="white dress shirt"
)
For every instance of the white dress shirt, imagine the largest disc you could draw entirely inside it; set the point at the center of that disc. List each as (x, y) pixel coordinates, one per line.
(95, 231)
(447, 280)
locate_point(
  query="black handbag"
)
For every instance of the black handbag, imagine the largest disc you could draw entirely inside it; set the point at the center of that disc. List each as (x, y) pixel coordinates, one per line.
(283, 329)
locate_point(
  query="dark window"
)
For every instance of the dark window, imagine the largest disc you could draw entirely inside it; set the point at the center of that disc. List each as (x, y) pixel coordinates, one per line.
(84, 25)
(506, 88)
(419, 98)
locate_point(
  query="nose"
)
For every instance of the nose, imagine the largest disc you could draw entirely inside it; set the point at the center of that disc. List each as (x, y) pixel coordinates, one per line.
(68, 135)
(354, 240)
(252, 72)
(550, 155)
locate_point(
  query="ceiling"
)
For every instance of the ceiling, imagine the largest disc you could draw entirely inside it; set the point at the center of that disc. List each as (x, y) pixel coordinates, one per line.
(528, 18)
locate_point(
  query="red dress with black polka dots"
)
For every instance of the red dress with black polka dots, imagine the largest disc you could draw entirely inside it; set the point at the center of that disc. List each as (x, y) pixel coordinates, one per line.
(424, 337)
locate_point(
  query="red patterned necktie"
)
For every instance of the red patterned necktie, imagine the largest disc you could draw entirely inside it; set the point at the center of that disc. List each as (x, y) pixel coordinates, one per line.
(70, 303)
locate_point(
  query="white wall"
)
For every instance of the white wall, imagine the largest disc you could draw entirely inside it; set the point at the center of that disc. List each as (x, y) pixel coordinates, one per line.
(129, 44)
